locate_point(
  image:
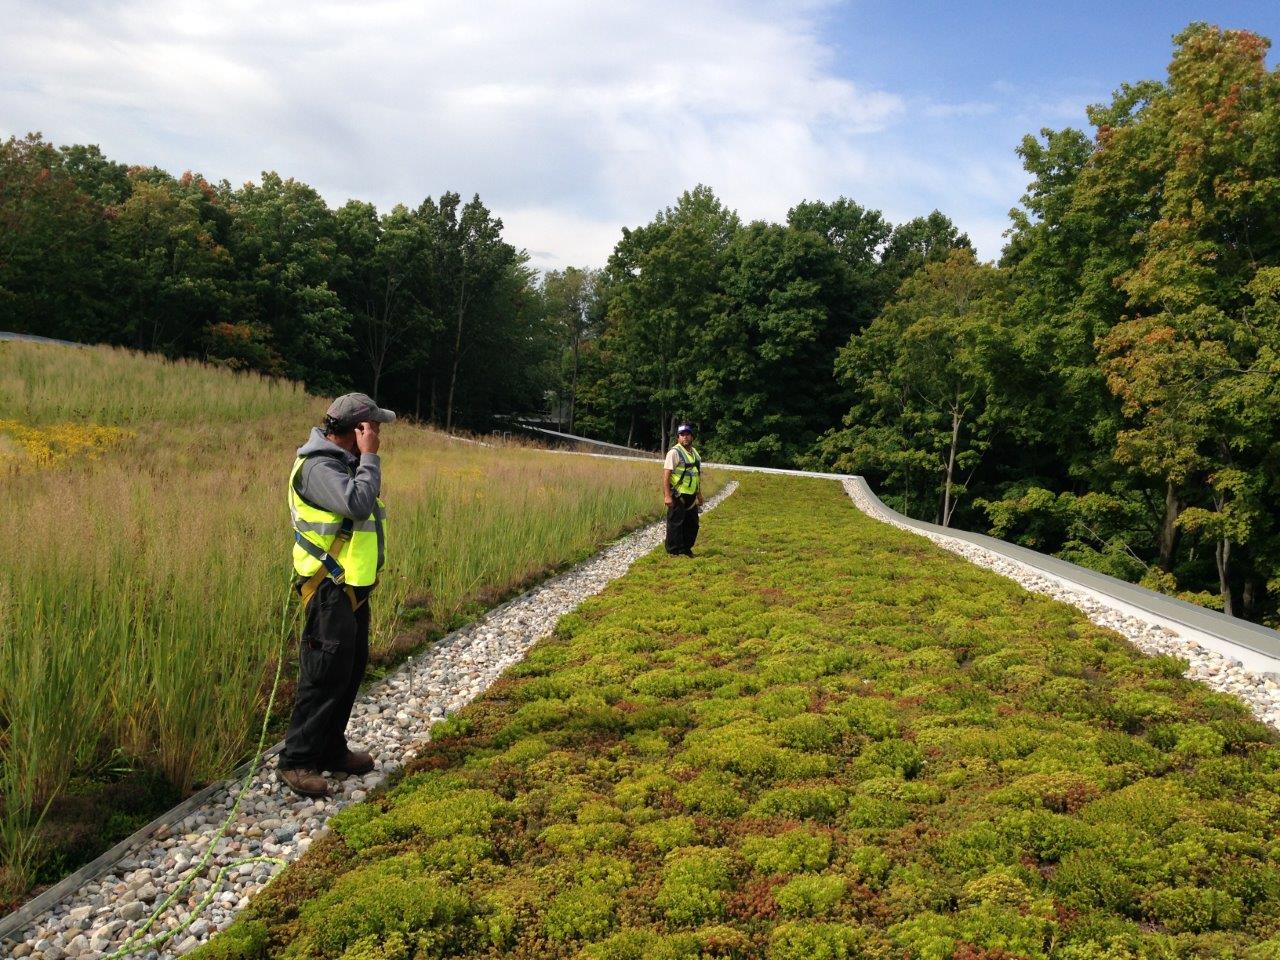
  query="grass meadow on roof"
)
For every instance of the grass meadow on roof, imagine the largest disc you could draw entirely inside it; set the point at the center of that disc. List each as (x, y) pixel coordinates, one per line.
(143, 577)
(825, 738)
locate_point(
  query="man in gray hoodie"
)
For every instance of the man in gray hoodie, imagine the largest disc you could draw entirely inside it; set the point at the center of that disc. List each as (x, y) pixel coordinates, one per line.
(339, 547)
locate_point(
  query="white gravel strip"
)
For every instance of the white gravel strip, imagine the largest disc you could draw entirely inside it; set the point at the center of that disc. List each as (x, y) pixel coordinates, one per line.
(1260, 691)
(392, 720)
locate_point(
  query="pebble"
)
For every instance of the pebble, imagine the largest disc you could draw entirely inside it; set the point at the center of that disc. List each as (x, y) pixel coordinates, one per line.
(392, 720)
(1260, 692)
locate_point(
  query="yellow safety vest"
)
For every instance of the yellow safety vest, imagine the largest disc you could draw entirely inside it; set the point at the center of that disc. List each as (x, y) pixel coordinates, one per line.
(358, 559)
(686, 479)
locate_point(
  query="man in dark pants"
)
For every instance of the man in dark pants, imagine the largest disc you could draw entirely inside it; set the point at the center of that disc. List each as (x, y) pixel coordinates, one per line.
(682, 493)
(339, 547)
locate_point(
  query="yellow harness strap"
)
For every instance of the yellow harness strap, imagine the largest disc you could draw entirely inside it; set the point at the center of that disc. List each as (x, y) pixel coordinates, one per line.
(309, 587)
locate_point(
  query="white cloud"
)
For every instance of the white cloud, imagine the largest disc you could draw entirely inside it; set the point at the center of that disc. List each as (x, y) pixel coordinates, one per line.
(570, 118)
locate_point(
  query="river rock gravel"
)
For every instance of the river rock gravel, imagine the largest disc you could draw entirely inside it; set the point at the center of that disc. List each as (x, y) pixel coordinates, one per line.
(391, 720)
(1259, 691)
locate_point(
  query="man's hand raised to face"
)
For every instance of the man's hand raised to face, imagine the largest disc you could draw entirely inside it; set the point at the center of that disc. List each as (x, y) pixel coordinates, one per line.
(367, 437)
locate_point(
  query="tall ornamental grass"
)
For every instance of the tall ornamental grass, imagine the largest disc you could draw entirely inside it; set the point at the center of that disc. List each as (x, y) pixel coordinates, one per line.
(143, 589)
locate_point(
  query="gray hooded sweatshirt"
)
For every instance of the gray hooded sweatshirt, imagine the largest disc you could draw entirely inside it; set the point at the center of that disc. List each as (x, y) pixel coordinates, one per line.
(340, 482)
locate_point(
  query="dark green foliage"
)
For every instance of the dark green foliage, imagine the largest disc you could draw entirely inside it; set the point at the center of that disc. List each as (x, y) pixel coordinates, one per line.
(427, 309)
(902, 799)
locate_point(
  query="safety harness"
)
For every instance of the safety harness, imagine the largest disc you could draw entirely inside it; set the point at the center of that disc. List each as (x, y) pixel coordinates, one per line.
(688, 466)
(328, 559)
(329, 566)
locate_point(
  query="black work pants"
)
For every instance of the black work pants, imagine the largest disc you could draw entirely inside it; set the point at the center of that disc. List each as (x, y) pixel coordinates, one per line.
(682, 523)
(333, 655)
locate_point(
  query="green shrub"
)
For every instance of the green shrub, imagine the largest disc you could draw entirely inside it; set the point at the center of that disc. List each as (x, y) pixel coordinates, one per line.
(932, 660)
(427, 817)
(584, 912)
(245, 940)
(1088, 879)
(641, 788)
(1168, 666)
(869, 866)
(714, 794)
(709, 943)
(559, 686)
(800, 765)
(395, 896)
(611, 873)
(1002, 932)
(667, 834)
(976, 849)
(1195, 909)
(580, 838)
(717, 712)
(1103, 936)
(1133, 710)
(899, 757)
(1023, 679)
(1002, 888)
(693, 885)
(1148, 806)
(1197, 740)
(956, 743)
(874, 813)
(807, 731)
(916, 887)
(526, 751)
(908, 791)
(1224, 777)
(819, 802)
(735, 748)
(660, 716)
(534, 717)
(783, 702)
(1059, 792)
(452, 727)
(649, 743)
(566, 802)
(1252, 883)
(810, 895)
(668, 684)
(457, 856)
(872, 717)
(597, 811)
(1044, 835)
(990, 669)
(1068, 697)
(791, 852)
(825, 941)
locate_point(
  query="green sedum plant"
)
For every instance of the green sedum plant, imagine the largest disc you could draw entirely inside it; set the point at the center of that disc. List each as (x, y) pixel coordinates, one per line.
(844, 744)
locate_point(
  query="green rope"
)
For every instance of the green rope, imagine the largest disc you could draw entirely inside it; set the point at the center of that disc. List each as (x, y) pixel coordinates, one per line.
(131, 946)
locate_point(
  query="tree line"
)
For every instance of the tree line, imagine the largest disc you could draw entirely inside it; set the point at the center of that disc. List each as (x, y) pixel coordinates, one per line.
(1105, 391)
(426, 307)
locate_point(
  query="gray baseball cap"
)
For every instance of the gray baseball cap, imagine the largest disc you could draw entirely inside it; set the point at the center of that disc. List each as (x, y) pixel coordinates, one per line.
(352, 408)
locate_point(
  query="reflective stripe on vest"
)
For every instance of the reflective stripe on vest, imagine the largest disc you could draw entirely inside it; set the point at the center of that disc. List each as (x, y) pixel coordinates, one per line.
(314, 529)
(690, 474)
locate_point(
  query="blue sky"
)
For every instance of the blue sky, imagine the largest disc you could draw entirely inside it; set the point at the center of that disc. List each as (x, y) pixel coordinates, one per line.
(573, 118)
